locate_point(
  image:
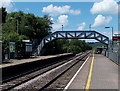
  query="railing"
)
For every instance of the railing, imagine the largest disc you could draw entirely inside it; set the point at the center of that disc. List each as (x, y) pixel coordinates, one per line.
(113, 54)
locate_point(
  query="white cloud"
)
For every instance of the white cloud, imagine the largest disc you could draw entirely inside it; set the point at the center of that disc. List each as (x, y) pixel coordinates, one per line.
(101, 21)
(107, 33)
(7, 4)
(116, 32)
(56, 10)
(51, 19)
(62, 20)
(82, 26)
(27, 9)
(105, 6)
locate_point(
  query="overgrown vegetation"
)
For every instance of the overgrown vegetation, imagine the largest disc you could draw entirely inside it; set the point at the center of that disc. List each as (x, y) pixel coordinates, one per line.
(67, 46)
(18, 26)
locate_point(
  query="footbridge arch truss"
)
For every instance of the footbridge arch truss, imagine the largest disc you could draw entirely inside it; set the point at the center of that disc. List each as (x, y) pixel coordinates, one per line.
(73, 35)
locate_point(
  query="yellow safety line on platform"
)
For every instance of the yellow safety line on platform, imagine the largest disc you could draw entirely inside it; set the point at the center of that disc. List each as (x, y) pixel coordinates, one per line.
(90, 75)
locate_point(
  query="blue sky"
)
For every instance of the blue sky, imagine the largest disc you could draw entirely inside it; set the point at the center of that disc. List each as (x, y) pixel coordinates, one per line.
(75, 15)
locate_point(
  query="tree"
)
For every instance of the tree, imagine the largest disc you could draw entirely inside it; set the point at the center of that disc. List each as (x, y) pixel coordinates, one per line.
(33, 27)
(67, 46)
(10, 37)
(13, 37)
(49, 21)
(3, 14)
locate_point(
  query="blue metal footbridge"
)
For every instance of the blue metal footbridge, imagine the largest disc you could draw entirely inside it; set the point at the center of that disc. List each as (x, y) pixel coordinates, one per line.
(72, 35)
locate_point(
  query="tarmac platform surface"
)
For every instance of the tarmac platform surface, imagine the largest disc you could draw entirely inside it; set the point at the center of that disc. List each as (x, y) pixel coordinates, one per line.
(97, 73)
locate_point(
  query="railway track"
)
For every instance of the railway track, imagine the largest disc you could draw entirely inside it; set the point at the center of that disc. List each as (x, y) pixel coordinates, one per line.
(12, 72)
(43, 78)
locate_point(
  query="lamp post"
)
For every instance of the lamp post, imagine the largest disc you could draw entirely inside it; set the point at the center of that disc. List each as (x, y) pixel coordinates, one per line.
(112, 33)
(16, 23)
(90, 27)
(62, 27)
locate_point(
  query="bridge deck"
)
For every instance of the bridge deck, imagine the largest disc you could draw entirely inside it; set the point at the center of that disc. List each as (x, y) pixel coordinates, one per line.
(103, 74)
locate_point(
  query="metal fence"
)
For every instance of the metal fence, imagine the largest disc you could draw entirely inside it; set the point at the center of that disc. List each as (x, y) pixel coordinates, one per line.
(0, 61)
(114, 54)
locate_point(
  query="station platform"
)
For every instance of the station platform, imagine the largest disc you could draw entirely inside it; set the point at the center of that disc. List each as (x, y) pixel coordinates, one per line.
(98, 73)
(32, 59)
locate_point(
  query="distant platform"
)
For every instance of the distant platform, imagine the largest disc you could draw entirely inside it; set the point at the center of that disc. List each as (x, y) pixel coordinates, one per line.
(37, 58)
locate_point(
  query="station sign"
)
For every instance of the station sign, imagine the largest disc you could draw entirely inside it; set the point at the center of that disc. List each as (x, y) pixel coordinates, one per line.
(116, 38)
(12, 46)
(28, 47)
